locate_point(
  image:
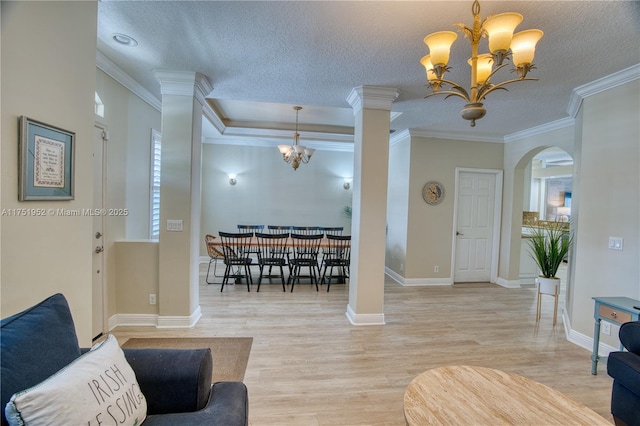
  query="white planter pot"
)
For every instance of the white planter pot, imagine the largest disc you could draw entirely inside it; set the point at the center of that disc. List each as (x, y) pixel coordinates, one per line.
(548, 285)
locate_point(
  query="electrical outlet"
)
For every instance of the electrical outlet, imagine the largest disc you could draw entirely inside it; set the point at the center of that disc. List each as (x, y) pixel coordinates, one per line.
(402, 267)
(436, 268)
(152, 299)
(606, 328)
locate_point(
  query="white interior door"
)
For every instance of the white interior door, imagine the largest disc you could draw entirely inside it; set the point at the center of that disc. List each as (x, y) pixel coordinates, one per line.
(98, 289)
(475, 226)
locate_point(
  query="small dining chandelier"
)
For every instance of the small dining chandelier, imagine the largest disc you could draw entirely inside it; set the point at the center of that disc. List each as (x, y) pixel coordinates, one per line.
(503, 44)
(296, 153)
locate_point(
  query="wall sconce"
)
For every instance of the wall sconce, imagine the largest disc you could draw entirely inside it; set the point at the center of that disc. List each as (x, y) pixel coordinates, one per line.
(232, 179)
(347, 183)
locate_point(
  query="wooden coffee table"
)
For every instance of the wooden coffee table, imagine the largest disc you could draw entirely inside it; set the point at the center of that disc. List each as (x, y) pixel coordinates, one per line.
(467, 395)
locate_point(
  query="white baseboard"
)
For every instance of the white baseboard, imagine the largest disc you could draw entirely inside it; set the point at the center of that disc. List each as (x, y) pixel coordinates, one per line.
(154, 320)
(583, 340)
(508, 283)
(364, 319)
(416, 282)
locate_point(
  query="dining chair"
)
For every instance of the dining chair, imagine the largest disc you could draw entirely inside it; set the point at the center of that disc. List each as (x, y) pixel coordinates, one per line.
(214, 256)
(338, 256)
(250, 228)
(272, 251)
(278, 229)
(305, 230)
(235, 247)
(253, 251)
(305, 254)
(331, 230)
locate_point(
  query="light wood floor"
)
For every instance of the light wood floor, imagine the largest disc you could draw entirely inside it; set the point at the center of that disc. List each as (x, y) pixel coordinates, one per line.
(309, 366)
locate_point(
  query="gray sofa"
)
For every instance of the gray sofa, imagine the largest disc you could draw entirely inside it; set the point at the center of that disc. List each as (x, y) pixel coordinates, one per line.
(41, 340)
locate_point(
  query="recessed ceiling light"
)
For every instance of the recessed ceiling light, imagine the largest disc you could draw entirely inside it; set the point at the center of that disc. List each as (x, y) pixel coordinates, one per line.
(125, 40)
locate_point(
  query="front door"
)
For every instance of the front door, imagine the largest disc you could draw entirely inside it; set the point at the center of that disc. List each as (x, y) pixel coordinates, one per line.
(475, 226)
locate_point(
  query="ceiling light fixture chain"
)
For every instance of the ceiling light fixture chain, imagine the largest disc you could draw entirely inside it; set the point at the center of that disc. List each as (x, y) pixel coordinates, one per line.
(503, 44)
(296, 154)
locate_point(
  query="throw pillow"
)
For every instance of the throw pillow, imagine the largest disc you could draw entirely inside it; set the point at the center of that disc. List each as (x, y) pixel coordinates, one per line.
(98, 388)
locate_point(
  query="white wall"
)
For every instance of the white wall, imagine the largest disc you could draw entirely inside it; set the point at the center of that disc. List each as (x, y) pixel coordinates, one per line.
(269, 191)
(608, 204)
(48, 75)
(398, 205)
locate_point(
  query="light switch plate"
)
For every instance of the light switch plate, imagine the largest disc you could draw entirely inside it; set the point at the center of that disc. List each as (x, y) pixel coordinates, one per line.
(174, 225)
(616, 243)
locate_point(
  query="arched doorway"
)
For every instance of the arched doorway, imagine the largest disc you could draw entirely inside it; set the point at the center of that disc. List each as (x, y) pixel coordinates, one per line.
(547, 194)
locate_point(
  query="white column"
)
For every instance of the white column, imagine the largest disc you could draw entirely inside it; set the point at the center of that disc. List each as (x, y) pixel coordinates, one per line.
(371, 108)
(182, 102)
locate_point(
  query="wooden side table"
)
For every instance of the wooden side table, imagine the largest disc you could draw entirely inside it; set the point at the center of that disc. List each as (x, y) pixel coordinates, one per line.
(616, 310)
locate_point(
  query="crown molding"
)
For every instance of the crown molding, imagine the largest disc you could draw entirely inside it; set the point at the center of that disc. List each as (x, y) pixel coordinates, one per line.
(605, 83)
(538, 130)
(183, 83)
(372, 97)
(115, 72)
(242, 136)
(212, 116)
(419, 133)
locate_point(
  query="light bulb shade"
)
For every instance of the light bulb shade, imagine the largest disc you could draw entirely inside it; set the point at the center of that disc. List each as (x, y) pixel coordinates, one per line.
(428, 66)
(285, 149)
(439, 46)
(500, 29)
(299, 149)
(523, 46)
(484, 65)
(309, 152)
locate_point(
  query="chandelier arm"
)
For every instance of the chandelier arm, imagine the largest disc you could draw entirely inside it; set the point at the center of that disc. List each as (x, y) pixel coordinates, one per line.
(463, 93)
(449, 93)
(499, 67)
(501, 86)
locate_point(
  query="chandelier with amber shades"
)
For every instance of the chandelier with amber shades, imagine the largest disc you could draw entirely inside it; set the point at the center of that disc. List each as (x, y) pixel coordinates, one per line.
(296, 153)
(503, 45)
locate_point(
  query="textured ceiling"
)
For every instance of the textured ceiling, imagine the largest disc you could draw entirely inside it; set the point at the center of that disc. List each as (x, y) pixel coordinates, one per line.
(313, 53)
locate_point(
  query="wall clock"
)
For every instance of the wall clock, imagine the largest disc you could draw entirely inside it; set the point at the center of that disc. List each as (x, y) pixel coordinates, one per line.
(433, 192)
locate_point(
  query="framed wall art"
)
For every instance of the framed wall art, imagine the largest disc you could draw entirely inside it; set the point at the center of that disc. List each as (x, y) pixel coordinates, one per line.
(46, 168)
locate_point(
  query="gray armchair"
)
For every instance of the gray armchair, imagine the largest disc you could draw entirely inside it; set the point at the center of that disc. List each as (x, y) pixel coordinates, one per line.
(41, 340)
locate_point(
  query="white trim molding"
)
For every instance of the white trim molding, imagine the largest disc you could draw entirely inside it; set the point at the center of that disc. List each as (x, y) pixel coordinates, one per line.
(508, 283)
(115, 72)
(583, 340)
(155, 320)
(372, 97)
(416, 282)
(605, 83)
(364, 319)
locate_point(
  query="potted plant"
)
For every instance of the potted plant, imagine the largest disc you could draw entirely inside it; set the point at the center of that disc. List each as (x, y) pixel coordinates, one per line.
(549, 243)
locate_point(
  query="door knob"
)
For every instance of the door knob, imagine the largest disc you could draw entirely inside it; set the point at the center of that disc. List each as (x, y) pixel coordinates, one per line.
(98, 235)
(459, 233)
(99, 249)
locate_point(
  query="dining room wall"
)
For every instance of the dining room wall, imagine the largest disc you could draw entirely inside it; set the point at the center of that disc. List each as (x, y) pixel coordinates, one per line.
(269, 191)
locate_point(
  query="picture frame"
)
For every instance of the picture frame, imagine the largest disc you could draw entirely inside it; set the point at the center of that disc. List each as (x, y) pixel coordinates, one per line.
(46, 161)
